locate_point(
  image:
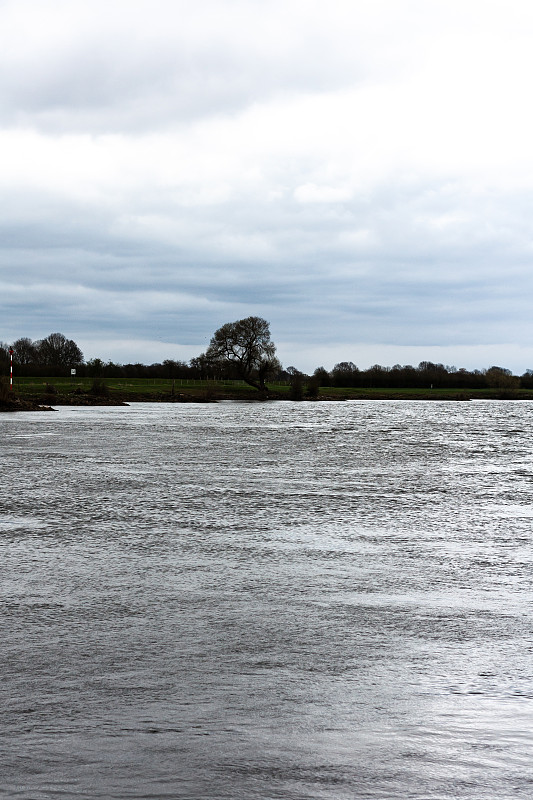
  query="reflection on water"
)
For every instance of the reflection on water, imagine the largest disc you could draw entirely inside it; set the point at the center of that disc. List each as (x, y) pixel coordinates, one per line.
(267, 601)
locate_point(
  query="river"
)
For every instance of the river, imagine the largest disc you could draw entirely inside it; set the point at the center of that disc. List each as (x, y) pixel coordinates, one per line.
(259, 601)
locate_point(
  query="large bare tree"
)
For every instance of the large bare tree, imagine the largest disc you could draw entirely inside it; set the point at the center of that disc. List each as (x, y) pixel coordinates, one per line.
(245, 345)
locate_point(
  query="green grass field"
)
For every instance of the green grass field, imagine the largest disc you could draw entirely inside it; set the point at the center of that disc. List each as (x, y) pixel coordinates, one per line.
(130, 388)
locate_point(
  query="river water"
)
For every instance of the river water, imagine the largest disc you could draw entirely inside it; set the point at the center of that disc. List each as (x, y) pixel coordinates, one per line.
(281, 600)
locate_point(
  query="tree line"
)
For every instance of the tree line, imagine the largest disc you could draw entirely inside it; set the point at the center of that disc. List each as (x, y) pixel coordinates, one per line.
(243, 350)
(53, 355)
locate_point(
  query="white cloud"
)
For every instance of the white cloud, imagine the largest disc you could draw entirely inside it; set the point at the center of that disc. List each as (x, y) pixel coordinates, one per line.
(311, 193)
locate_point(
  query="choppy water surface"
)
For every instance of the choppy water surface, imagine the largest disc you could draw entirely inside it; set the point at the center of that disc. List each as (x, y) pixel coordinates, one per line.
(267, 601)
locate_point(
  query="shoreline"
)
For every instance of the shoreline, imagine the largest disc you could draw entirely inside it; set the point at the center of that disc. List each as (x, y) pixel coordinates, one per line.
(15, 404)
(46, 402)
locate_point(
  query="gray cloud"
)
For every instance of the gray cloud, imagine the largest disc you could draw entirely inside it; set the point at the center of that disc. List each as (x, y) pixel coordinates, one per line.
(168, 170)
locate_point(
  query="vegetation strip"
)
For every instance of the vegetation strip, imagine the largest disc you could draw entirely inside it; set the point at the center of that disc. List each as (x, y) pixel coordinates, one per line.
(38, 392)
(239, 364)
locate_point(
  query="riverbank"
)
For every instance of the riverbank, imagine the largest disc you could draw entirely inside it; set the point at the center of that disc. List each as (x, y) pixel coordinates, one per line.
(12, 404)
(41, 402)
(36, 394)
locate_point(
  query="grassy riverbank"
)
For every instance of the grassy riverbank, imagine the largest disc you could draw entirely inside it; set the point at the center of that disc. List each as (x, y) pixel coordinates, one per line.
(87, 391)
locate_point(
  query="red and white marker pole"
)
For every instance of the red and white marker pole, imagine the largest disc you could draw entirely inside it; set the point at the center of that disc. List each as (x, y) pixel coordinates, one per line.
(11, 369)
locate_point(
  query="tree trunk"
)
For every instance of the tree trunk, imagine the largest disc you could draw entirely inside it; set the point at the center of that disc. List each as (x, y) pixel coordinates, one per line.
(259, 386)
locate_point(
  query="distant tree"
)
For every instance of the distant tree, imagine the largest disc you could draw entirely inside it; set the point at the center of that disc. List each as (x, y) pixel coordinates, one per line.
(322, 376)
(396, 375)
(95, 367)
(426, 366)
(498, 371)
(200, 366)
(526, 381)
(296, 383)
(113, 370)
(296, 391)
(377, 375)
(502, 379)
(246, 347)
(435, 375)
(136, 370)
(345, 373)
(292, 371)
(4, 357)
(313, 387)
(172, 369)
(24, 351)
(58, 351)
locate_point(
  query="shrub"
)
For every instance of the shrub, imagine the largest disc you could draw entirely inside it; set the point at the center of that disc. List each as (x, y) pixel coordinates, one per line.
(99, 388)
(5, 391)
(313, 387)
(296, 391)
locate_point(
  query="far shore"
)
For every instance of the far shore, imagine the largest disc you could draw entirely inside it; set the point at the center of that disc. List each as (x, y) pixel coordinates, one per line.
(28, 394)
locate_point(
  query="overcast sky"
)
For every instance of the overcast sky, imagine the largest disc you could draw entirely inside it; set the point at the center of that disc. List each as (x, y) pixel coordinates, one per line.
(359, 173)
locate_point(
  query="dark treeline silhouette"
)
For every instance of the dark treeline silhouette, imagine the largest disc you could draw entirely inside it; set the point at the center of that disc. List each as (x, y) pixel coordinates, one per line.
(53, 355)
(56, 355)
(425, 376)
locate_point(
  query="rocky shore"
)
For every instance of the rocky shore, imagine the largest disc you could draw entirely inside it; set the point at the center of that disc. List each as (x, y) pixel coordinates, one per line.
(17, 404)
